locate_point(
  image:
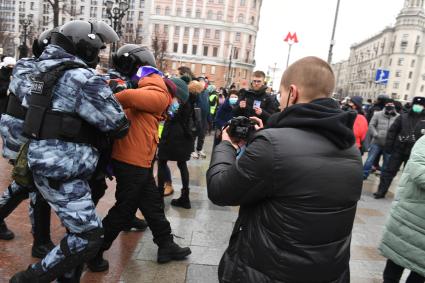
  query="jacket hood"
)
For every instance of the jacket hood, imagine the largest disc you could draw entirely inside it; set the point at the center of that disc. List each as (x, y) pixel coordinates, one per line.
(322, 116)
(54, 55)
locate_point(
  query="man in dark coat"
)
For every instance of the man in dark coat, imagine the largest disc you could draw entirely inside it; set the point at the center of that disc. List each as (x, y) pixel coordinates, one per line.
(403, 133)
(297, 184)
(6, 69)
(256, 102)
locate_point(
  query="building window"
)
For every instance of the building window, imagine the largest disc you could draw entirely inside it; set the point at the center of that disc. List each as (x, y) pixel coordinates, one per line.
(217, 34)
(242, 2)
(410, 75)
(219, 16)
(194, 49)
(252, 20)
(185, 48)
(206, 50)
(203, 69)
(179, 12)
(396, 85)
(212, 70)
(240, 19)
(158, 10)
(397, 74)
(198, 14)
(175, 47)
(186, 31)
(215, 51)
(236, 53)
(176, 31)
(422, 88)
(238, 36)
(207, 33)
(192, 67)
(249, 38)
(156, 29)
(188, 13)
(196, 32)
(167, 11)
(408, 86)
(390, 62)
(248, 53)
(165, 29)
(400, 61)
(413, 63)
(254, 3)
(210, 15)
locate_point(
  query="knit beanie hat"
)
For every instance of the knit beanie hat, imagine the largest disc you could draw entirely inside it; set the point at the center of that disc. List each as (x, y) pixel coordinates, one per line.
(358, 101)
(182, 91)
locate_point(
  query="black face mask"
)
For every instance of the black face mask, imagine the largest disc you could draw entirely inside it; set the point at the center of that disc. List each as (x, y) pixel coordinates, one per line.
(390, 110)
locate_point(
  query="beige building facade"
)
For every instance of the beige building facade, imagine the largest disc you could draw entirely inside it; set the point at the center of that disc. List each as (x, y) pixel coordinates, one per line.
(398, 49)
(215, 38)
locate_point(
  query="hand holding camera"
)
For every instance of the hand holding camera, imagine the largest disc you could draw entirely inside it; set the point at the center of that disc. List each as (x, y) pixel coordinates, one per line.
(240, 129)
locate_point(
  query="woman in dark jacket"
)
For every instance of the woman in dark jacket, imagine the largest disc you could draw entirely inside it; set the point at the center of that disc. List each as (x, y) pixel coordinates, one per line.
(224, 114)
(177, 141)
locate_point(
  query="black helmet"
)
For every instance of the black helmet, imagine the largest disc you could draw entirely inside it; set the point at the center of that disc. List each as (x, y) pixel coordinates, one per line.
(130, 57)
(41, 42)
(84, 39)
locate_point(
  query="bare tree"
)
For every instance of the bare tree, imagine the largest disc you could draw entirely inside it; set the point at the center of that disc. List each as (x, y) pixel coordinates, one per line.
(159, 48)
(67, 6)
(56, 8)
(5, 35)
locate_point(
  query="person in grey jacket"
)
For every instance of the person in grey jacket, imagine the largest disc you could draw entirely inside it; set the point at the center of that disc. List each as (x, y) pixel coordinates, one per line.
(378, 129)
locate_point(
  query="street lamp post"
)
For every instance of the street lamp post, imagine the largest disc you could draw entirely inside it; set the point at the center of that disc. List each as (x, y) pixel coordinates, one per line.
(331, 46)
(25, 23)
(116, 10)
(229, 69)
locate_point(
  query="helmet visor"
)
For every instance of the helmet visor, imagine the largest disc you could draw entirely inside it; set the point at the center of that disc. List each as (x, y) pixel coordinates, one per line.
(105, 32)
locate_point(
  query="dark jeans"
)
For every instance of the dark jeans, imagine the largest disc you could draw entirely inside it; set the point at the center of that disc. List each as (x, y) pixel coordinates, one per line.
(393, 273)
(162, 173)
(136, 189)
(374, 152)
(387, 176)
(201, 137)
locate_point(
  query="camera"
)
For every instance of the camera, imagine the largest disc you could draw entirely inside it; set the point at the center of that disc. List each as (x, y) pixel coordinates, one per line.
(241, 128)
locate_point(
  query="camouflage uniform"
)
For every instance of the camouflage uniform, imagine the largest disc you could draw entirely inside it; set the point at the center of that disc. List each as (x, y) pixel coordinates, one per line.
(11, 133)
(61, 169)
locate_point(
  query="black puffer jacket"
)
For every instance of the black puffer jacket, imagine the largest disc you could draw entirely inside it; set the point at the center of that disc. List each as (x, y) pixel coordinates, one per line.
(297, 184)
(176, 142)
(404, 132)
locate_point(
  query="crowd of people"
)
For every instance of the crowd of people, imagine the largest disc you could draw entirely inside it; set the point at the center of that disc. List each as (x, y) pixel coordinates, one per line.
(68, 124)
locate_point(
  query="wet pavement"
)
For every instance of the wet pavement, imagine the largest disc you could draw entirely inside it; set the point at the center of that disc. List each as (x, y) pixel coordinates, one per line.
(206, 228)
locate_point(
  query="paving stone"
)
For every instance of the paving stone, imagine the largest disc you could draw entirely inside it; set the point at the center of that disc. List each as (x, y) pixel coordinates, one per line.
(202, 273)
(147, 272)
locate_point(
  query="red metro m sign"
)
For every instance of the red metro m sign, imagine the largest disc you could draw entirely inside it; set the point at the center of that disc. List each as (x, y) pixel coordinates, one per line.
(291, 38)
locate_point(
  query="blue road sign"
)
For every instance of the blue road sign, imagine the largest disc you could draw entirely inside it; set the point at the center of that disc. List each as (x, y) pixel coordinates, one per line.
(382, 76)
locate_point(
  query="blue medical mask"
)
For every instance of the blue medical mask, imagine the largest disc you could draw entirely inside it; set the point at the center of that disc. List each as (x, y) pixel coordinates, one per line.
(233, 100)
(417, 108)
(174, 107)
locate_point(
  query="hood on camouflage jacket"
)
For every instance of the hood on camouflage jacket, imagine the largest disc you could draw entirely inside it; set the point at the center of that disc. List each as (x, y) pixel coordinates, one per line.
(144, 107)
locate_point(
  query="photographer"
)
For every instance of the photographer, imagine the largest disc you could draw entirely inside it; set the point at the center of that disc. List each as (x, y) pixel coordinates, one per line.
(256, 102)
(297, 184)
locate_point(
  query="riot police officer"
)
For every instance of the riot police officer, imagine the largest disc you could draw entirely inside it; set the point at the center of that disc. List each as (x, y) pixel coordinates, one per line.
(11, 131)
(69, 107)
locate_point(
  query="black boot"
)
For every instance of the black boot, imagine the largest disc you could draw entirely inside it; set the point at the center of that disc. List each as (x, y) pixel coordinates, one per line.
(42, 244)
(171, 251)
(98, 263)
(137, 224)
(183, 200)
(27, 276)
(5, 233)
(378, 195)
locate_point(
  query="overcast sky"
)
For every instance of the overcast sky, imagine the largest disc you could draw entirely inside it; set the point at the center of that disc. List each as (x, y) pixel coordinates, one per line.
(312, 20)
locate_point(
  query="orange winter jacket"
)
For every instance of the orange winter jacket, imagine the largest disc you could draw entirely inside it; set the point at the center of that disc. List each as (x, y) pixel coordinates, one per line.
(144, 107)
(360, 129)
